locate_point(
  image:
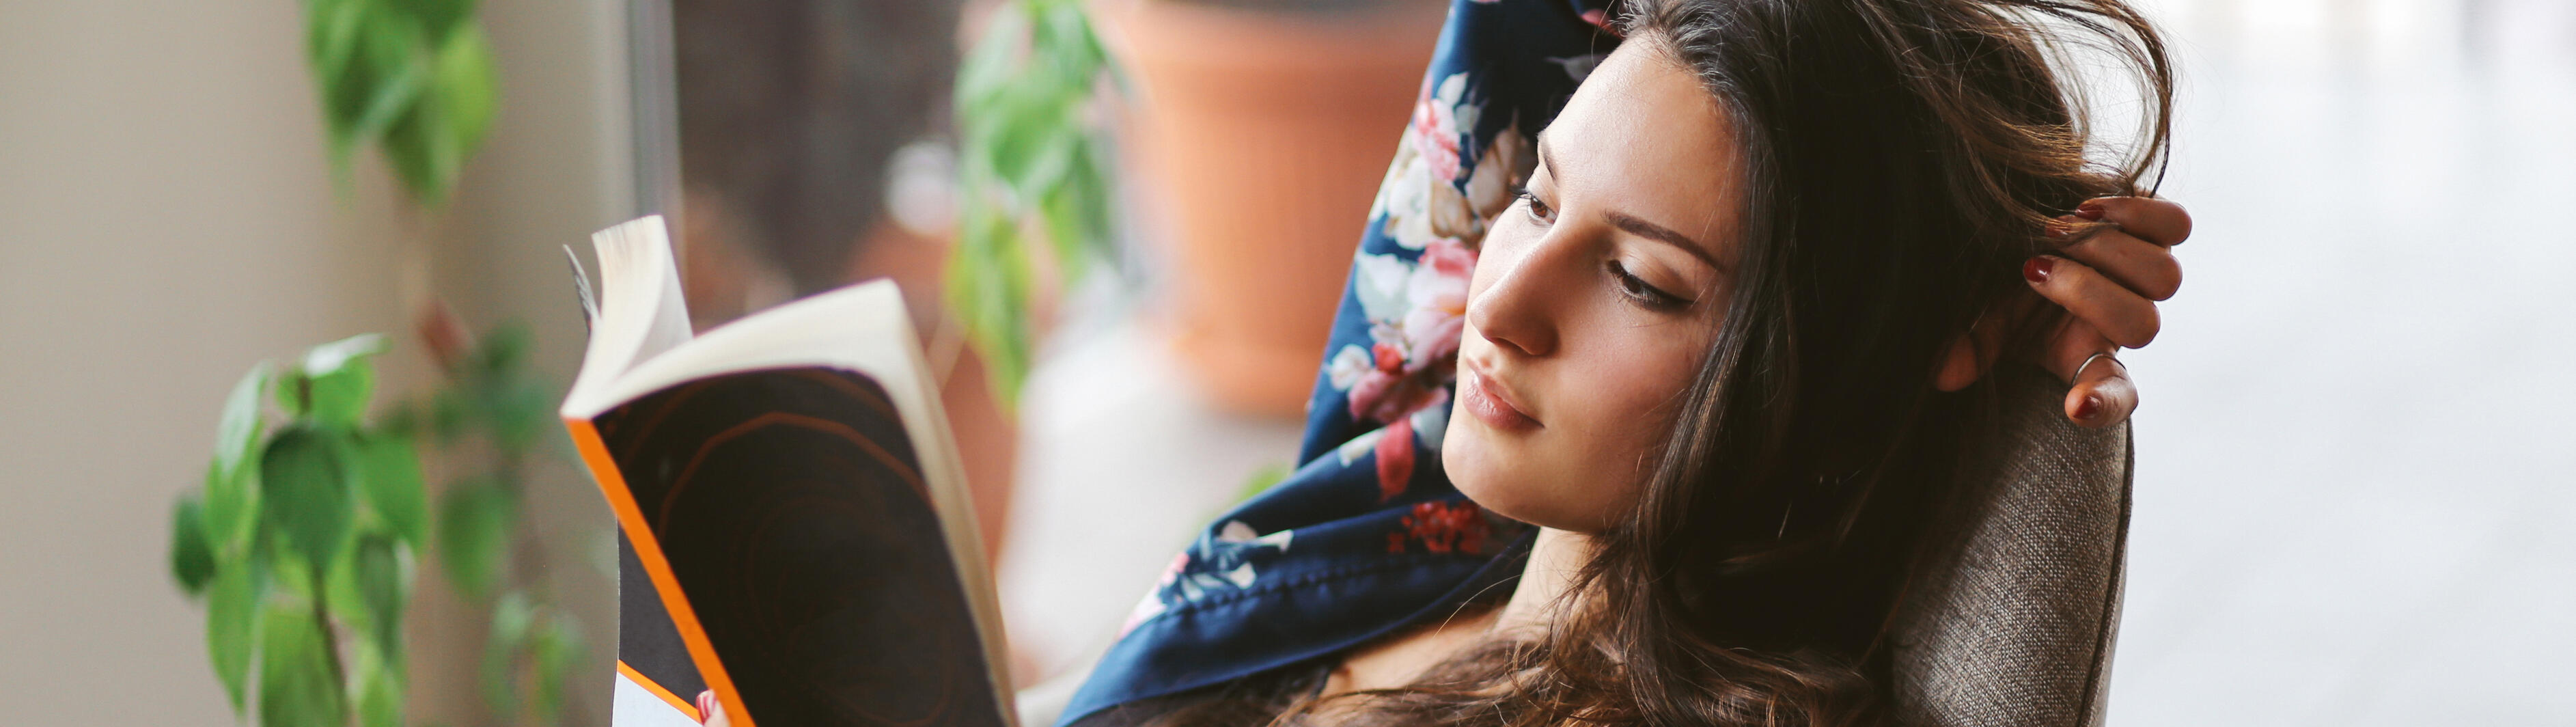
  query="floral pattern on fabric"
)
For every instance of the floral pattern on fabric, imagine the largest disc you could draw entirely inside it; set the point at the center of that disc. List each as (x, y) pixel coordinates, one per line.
(1436, 205)
(1221, 561)
(1368, 535)
(1443, 527)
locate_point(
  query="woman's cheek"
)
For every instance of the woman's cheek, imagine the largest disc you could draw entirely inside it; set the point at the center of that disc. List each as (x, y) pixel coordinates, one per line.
(1642, 397)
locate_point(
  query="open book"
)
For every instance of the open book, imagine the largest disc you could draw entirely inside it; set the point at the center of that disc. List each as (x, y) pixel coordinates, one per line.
(794, 531)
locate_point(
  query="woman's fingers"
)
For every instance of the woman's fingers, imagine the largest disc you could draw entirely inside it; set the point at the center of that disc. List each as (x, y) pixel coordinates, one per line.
(711, 710)
(2102, 394)
(2146, 268)
(2153, 220)
(2115, 311)
(2109, 280)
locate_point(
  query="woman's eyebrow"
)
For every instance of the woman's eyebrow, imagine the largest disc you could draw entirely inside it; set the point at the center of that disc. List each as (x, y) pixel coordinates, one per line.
(1660, 233)
(1631, 223)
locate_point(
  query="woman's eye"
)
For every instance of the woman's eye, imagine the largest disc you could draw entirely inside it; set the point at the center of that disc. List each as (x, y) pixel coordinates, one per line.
(1645, 294)
(1538, 211)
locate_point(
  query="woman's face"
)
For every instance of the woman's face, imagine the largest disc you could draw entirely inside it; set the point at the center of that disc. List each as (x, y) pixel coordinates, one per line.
(1596, 296)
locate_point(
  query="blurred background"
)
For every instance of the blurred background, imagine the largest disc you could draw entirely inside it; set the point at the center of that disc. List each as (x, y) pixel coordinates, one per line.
(2353, 499)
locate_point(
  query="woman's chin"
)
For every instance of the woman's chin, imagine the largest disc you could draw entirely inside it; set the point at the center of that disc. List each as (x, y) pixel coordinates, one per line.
(1482, 469)
(1494, 472)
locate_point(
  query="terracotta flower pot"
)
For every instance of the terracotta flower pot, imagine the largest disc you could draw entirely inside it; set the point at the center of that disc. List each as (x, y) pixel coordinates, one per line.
(1264, 134)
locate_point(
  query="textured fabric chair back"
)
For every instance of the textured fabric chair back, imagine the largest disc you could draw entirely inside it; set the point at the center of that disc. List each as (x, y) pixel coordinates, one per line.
(2012, 621)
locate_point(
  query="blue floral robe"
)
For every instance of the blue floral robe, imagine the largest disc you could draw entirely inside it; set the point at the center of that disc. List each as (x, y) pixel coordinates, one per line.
(1367, 536)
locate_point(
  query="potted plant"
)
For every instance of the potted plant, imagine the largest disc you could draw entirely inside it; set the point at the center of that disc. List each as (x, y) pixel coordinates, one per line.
(1265, 128)
(1262, 128)
(304, 540)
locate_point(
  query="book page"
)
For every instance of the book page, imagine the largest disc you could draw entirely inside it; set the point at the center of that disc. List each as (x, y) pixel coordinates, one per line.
(642, 313)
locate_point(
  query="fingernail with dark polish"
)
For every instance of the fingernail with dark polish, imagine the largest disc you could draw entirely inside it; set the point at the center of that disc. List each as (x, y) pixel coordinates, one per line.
(2091, 403)
(2036, 269)
(2089, 211)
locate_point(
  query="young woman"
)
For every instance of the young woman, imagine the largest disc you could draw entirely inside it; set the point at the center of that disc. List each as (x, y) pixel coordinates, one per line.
(1725, 351)
(1714, 361)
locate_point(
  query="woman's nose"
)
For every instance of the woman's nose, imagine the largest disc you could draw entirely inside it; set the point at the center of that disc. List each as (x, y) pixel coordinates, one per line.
(1515, 308)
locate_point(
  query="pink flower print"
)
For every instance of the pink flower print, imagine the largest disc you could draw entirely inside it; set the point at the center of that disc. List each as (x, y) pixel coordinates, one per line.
(1442, 528)
(1466, 209)
(1437, 296)
(1429, 191)
(1434, 128)
(1386, 357)
(1388, 393)
(1411, 355)
(1394, 459)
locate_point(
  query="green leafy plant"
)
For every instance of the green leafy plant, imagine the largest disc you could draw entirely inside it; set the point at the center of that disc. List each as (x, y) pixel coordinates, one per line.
(301, 543)
(414, 77)
(1034, 171)
(490, 418)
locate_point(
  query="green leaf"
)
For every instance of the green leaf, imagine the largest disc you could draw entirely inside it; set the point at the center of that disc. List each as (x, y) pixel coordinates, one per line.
(511, 617)
(556, 650)
(367, 588)
(232, 611)
(428, 146)
(289, 570)
(237, 433)
(403, 420)
(436, 18)
(987, 70)
(369, 70)
(1068, 227)
(307, 494)
(396, 91)
(298, 683)
(448, 415)
(1065, 39)
(331, 47)
(521, 409)
(1029, 155)
(232, 509)
(335, 380)
(1092, 183)
(1028, 141)
(504, 350)
(232, 487)
(389, 477)
(344, 354)
(192, 561)
(467, 88)
(1050, 161)
(378, 681)
(987, 284)
(475, 525)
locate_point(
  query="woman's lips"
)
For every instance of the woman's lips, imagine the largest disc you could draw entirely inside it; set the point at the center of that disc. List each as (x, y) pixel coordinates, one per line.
(1490, 403)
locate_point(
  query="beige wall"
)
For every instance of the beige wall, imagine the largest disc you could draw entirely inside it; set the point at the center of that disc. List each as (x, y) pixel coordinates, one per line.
(167, 217)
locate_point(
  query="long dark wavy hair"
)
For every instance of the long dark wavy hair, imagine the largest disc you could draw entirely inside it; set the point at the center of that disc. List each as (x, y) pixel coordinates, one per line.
(1905, 157)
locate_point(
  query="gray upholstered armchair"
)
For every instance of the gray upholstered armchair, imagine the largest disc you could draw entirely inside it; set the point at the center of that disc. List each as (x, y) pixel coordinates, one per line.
(2014, 622)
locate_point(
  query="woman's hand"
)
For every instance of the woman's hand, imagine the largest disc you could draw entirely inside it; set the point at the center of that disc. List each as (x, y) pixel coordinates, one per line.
(2110, 280)
(711, 710)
